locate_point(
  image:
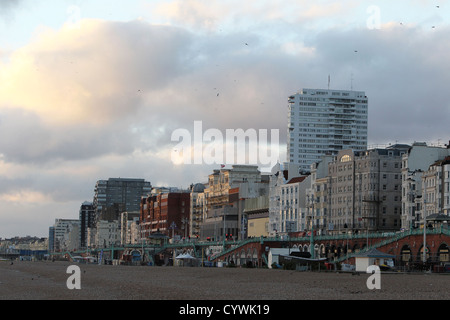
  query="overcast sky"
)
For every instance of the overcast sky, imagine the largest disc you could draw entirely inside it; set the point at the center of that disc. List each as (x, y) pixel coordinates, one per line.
(94, 89)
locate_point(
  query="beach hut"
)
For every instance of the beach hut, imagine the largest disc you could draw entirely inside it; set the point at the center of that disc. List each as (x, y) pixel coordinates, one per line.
(185, 259)
(372, 257)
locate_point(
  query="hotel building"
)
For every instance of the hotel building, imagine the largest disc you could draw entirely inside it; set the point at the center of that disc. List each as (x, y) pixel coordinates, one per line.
(323, 122)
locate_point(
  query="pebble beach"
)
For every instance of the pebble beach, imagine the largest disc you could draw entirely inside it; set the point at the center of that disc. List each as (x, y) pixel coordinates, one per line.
(24, 280)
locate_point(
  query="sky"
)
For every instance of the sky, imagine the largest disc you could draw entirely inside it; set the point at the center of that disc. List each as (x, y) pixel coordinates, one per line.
(91, 90)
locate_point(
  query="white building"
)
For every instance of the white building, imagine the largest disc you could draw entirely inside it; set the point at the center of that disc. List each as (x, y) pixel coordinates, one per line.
(108, 233)
(325, 121)
(127, 220)
(418, 186)
(280, 175)
(198, 209)
(436, 189)
(293, 205)
(66, 234)
(318, 197)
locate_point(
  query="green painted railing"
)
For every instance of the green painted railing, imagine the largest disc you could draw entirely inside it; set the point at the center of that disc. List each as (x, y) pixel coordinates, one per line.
(230, 246)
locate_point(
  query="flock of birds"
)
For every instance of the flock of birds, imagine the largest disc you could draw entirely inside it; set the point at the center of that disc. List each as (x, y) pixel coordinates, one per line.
(356, 51)
(432, 27)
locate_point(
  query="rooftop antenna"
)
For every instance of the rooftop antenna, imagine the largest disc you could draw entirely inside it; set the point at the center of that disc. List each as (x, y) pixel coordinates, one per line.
(351, 82)
(329, 82)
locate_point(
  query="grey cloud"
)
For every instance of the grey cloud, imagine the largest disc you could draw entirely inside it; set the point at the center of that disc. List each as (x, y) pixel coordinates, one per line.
(7, 8)
(165, 78)
(26, 139)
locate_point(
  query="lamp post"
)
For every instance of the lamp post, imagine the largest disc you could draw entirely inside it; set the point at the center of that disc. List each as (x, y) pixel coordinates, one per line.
(346, 231)
(424, 240)
(311, 217)
(424, 212)
(288, 226)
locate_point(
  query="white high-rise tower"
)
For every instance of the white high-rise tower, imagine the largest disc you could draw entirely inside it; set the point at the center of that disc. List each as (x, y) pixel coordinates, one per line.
(323, 122)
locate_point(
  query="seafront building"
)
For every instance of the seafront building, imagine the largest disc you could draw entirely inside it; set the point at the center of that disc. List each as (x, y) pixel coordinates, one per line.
(65, 235)
(123, 192)
(318, 200)
(225, 197)
(257, 212)
(322, 122)
(365, 190)
(165, 213)
(375, 190)
(292, 214)
(87, 219)
(425, 184)
(279, 176)
(198, 209)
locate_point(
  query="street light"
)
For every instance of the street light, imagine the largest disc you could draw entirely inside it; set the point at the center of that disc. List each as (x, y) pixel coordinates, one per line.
(424, 213)
(311, 217)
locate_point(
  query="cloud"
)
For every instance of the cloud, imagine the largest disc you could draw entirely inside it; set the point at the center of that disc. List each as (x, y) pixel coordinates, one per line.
(114, 87)
(8, 10)
(101, 99)
(6, 5)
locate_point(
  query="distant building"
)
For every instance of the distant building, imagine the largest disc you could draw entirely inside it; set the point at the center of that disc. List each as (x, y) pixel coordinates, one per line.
(225, 194)
(423, 168)
(365, 190)
(318, 200)
(87, 219)
(166, 213)
(123, 192)
(65, 234)
(257, 212)
(279, 176)
(292, 213)
(324, 122)
(198, 209)
(129, 222)
(108, 234)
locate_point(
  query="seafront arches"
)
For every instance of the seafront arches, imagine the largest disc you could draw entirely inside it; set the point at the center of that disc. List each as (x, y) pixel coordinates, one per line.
(242, 258)
(407, 249)
(443, 253)
(419, 255)
(405, 254)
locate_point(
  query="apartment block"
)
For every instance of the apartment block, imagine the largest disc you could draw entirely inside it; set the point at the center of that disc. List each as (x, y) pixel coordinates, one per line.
(87, 220)
(424, 183)
(323, 122)
(124, 192)
(198, 209)
(365, 190)
(225, 196)
(165, 213)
